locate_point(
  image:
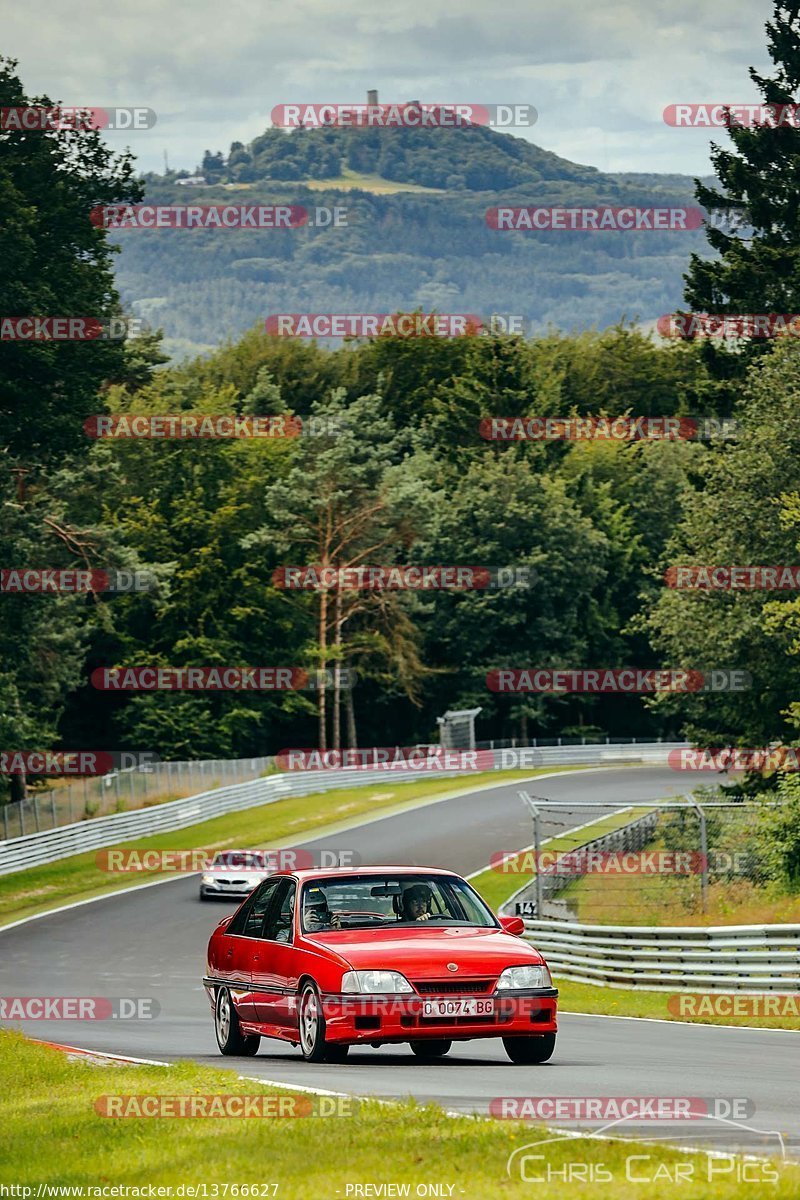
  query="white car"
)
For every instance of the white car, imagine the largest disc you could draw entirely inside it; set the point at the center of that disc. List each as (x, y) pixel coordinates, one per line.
(234, 873)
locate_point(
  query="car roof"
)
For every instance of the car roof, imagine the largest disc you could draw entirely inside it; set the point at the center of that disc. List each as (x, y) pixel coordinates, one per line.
(219, 853)
(390, 869)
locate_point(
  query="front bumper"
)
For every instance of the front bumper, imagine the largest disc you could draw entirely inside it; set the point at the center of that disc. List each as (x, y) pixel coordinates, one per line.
(236, 891)
(351, 1018)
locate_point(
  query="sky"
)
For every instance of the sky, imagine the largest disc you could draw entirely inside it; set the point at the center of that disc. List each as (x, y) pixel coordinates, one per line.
(599, 72)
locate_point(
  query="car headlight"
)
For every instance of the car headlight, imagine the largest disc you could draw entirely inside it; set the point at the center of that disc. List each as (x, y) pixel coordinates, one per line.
(208, 879)
(375, 981)
(515, 978)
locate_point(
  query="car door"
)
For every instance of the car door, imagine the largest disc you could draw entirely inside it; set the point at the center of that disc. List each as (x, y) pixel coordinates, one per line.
(240, 947)
(274, 979)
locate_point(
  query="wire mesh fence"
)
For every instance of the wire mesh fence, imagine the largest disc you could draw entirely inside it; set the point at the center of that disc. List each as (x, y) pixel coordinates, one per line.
(667, 862)
(64, 803)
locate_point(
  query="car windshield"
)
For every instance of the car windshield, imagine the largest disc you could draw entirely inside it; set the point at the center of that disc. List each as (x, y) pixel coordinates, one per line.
(374, 901)
(239, 860)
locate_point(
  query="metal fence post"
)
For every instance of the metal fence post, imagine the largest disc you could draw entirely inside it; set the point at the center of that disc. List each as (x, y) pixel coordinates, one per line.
(536, 847)
(36, 811)
(5, 822)
(703, 852)
(529, 800)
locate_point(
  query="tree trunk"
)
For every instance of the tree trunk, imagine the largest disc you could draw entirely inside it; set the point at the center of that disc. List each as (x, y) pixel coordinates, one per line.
(323, 663)
(19, 788)
(337, 673)
(523, 728)
(351, 714)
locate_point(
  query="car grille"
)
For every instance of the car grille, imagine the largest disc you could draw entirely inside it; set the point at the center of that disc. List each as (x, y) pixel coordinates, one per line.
(453, 987)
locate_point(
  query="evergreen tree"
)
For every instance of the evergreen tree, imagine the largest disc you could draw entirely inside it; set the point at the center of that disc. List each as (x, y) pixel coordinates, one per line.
(758, 266)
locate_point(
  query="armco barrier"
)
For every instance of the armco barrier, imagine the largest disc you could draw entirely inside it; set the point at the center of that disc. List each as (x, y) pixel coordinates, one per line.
(35, 849)
(722, 958)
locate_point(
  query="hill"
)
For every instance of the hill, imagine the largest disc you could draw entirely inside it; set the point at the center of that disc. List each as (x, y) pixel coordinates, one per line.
(416, 236)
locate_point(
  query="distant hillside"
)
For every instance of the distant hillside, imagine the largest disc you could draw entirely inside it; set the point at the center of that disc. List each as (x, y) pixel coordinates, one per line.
(428, 246)
(473, 158)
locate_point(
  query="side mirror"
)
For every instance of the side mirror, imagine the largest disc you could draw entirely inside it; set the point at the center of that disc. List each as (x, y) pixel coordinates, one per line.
(514, 925)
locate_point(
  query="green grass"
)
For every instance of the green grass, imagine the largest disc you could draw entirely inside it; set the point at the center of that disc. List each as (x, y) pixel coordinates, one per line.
(497, 886)
(283, 823)
(52, 1133)
(677, 900)
(636, 1002)
(367, 182)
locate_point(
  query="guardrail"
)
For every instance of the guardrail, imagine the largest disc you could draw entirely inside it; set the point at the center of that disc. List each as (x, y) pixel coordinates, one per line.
(721, 958)
(122, 790)
(16, 854)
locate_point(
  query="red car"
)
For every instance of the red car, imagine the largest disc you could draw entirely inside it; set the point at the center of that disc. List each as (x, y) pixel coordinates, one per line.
(330, 959)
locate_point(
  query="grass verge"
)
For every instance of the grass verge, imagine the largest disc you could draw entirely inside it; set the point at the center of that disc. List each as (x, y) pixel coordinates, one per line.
(52, 1133)
(636, 1002)
(677, 900)
(496, 885)
(283, 823)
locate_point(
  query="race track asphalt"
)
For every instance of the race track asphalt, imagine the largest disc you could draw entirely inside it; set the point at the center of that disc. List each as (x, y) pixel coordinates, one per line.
(151, 943)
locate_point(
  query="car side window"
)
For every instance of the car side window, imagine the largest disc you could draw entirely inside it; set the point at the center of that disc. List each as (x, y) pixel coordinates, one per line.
(236, 923)
(278, 925)
(249, 920)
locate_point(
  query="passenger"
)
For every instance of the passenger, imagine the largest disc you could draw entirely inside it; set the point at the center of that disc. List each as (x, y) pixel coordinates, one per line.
(317, 916)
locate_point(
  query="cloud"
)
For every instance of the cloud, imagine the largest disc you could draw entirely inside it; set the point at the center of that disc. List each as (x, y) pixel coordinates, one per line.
(599, 75)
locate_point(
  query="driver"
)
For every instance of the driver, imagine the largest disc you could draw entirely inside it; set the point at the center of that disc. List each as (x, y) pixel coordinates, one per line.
(416, 903)
(317, 916)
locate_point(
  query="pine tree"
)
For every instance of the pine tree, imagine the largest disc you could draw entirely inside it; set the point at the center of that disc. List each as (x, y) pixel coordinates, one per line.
(758, 268)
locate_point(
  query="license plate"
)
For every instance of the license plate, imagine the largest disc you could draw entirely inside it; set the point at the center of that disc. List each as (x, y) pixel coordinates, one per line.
(464, 1006)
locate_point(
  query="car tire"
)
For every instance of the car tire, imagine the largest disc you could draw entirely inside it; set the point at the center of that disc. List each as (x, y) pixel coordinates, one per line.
(203, 895)
(434, 1048)
(230, 1038)
(311, 1023)
(530, 1049)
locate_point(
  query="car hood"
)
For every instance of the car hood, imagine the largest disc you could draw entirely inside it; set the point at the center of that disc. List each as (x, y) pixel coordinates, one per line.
(425, 953)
